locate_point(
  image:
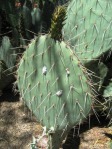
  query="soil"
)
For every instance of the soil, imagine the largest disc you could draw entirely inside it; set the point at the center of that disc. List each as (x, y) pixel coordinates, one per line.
(17, 126)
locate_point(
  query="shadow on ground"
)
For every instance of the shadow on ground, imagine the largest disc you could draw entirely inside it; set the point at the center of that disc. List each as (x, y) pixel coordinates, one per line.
(16, 125)
(74, 142)
(9, 96)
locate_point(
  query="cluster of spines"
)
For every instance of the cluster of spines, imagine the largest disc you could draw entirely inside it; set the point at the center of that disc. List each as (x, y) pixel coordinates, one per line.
(57, 22)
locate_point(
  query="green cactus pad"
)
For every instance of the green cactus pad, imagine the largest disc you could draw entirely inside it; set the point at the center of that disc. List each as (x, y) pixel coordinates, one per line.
(88, 28)
(36, 19)
(8, 56)
(54, 85)
(7, 52)
(108, 90)
(108, 100)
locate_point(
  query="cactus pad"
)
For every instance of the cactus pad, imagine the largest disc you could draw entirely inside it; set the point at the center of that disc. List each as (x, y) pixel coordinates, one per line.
(7, 52)
(55, 86)
(88, 28)
(108, 101)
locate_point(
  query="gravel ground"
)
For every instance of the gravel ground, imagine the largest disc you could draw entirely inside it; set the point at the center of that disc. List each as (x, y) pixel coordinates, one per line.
(17, 126)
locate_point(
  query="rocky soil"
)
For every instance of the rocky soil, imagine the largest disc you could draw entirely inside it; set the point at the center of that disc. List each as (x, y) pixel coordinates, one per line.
(17, 126)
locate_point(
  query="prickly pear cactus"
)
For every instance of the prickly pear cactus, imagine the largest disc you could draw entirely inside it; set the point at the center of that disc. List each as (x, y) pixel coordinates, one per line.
(55, 86)
(27, 17)
(36, 19)
(8, 56)
(7, 52)
(27, 20)
(9, 8)
(88, 28)
(98, 71)
(47, 12)
(108, 101)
